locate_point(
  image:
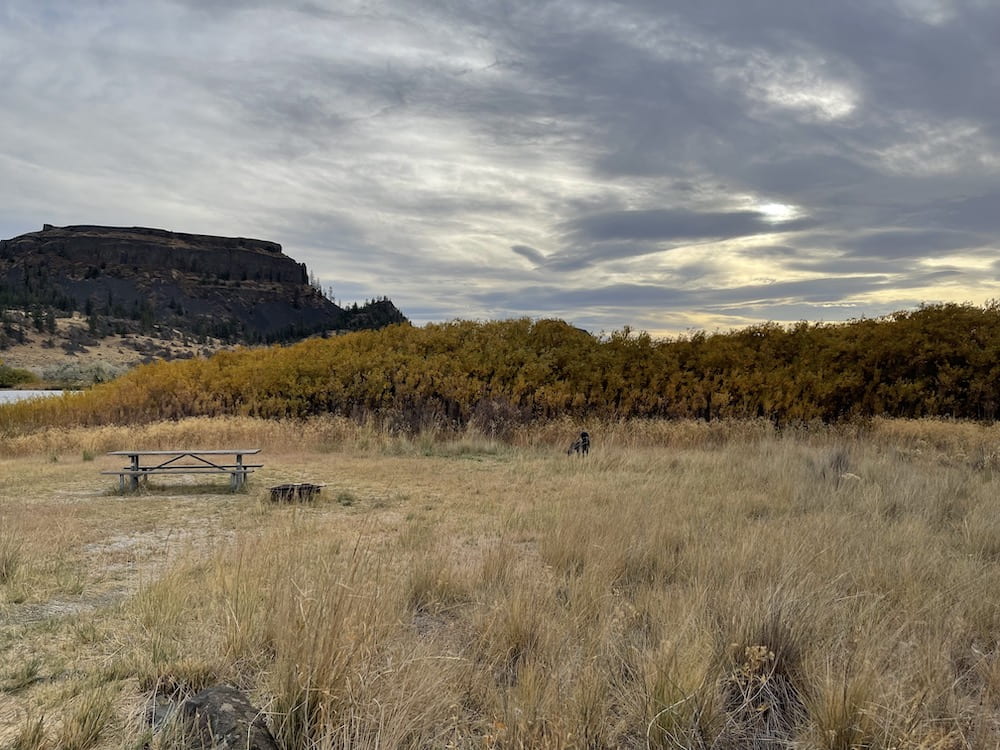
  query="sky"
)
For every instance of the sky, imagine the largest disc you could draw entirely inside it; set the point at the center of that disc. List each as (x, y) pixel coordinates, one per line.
(666, 165)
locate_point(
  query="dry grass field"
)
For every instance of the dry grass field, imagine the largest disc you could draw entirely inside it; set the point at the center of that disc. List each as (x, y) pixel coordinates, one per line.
(687, 585)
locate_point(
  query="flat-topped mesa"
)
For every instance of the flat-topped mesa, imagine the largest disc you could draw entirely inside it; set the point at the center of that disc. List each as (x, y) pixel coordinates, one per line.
(197, 240)
(231, 288)
(130, 279)
(144, 248)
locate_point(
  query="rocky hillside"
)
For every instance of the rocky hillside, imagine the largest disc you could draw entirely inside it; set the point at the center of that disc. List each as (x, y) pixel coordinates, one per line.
(127, 281)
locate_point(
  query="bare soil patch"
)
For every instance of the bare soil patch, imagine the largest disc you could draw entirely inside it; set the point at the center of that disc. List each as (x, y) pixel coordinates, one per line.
(72, 351)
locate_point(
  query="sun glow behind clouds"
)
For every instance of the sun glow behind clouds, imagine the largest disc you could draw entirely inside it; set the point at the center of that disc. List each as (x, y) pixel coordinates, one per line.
(777, 212)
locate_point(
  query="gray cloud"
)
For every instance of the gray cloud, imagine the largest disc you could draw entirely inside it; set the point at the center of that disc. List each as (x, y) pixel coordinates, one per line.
(907, 243)
(668, 224)
(615, 235)
(529, 253)
(549, 298)
(977, 213)
(638, 159)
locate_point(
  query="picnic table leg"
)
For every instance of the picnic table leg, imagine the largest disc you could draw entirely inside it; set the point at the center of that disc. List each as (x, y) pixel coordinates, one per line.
(239, 476)
(134, 484)
(239, 479)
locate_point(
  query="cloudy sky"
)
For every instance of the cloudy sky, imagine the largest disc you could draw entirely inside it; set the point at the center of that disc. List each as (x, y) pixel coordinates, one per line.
(670, 165)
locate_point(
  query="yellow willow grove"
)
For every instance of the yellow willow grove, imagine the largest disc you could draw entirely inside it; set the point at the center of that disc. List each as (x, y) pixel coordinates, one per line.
(939, 361)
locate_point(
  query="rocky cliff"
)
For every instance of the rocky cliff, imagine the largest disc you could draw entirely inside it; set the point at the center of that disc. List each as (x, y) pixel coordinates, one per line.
(231, 288)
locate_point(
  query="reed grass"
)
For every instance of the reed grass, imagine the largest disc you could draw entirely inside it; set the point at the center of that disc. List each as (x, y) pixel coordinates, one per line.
(686, 587)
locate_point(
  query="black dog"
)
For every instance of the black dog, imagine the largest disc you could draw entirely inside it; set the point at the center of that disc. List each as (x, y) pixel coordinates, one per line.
(581, 445)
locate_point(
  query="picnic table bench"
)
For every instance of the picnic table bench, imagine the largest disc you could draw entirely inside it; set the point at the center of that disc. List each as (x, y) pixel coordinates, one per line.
(165, 463)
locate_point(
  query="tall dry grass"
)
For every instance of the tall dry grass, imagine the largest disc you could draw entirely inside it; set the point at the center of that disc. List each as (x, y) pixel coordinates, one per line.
(11, 556)
(975, 443)
(684, 587)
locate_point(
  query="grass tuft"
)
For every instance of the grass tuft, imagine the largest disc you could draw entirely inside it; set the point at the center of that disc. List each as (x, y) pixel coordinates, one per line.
(346, 498)
(11, 555)
(435, 585)
(841, 706)
(83, 728)
(24, 675)
(31, 736)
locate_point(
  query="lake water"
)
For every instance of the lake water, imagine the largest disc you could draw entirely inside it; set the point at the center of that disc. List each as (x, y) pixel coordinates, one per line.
(9, 397)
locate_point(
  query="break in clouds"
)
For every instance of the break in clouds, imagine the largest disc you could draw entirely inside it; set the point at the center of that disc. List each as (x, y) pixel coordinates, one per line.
(658, 164)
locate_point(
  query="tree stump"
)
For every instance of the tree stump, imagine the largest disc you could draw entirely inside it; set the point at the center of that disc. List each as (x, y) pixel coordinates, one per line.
(301, 491)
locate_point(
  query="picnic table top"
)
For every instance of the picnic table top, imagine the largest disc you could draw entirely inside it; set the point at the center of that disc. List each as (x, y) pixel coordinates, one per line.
(214, 452)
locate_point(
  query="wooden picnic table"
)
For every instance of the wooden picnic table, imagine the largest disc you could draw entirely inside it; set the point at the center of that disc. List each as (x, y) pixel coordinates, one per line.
(166, 462)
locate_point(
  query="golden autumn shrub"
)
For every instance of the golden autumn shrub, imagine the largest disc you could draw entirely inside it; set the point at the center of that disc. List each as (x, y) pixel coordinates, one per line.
(937, 361)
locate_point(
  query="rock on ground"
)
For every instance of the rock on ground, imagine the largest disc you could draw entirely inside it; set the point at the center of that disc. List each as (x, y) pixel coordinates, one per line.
(221, 718)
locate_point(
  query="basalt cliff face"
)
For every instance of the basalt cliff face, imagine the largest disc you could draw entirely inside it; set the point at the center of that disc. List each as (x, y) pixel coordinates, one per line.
(230, 288)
